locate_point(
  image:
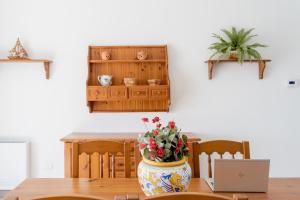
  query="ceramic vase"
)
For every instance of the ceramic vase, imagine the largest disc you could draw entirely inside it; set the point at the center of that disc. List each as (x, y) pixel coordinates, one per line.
(161, 177)
(142, 55)
(105, 55)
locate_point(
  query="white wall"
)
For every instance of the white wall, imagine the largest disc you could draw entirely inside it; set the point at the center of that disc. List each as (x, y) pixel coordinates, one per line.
(233, 105)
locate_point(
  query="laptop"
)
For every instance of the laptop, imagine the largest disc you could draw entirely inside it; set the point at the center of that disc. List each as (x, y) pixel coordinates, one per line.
(240, 175)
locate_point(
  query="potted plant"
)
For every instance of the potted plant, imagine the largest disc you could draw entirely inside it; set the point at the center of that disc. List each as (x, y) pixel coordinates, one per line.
(164, 167)
(236, 45)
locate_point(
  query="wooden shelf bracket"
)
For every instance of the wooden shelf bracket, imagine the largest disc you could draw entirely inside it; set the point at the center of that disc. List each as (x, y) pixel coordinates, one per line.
(47, 69)
(46, 64)
(261, 66)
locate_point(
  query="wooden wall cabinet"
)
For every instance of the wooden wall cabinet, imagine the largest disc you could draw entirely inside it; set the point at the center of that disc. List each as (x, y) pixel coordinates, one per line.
(123, 64)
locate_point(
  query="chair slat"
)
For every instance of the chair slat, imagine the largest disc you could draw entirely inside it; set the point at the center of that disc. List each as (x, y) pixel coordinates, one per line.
(100, 160)
(220, 147)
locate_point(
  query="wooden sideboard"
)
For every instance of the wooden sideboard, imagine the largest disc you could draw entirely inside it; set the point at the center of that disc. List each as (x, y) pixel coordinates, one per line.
(121, 137)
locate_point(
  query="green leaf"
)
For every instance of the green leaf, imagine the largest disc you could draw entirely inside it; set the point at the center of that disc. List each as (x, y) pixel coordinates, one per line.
(255, 45)
(184, 139)
(167, 146)
(171, 137)
(146, 153)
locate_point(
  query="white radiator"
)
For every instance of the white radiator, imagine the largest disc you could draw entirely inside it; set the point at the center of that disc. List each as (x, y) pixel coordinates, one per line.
(14, 163)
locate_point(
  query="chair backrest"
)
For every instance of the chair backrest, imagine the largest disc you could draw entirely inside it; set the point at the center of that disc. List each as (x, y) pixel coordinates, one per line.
(100, 158)
(220, 147)
(188, 196)
(67, 198)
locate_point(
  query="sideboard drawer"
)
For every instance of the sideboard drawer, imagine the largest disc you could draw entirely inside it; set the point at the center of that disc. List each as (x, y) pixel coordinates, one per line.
(138, 92)
(97, 93)
(118, 92)
(159, 92)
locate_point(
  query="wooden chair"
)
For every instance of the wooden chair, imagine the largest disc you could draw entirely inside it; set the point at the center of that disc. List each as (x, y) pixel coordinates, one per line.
(220, 147)
(101, 158)
(67, 198)
(195, 196)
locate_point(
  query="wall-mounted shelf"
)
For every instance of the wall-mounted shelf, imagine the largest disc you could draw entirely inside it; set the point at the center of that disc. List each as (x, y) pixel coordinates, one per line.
(46, 63)
(127, 61)
(261, 65)
(120, 98)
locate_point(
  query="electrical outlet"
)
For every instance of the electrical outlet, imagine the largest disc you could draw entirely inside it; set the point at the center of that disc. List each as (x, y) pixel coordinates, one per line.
(292, 83)
(48, 166)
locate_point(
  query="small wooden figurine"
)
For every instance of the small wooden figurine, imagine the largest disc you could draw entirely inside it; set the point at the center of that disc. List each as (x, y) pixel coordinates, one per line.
(18, 52)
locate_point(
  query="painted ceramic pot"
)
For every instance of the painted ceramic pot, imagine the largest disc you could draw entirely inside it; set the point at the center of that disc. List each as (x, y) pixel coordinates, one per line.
(142, 55)
(105, 80)
(105, 55)
(157, 178)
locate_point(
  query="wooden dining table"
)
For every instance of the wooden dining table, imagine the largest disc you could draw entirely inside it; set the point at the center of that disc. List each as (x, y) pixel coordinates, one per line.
(279, 188)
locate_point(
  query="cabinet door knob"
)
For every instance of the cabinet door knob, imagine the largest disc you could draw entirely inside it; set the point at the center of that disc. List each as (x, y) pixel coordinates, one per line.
(138, 92)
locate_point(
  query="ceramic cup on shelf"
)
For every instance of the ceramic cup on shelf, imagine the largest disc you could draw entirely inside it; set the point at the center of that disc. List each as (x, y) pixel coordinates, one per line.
(105, 80)
(105, 55)
(129, 81)
(142, 55)
(154, 82)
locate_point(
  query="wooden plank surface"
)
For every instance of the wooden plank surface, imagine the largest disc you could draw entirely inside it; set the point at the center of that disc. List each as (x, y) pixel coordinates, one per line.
(86, 137)
(279, 188)
(234, 60)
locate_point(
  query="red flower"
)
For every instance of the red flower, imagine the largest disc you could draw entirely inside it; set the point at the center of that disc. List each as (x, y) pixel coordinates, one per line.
(179, 143)
(152, 144)
(155, 119)
(171, 124)
(177, 150)
(152, 156)
(145, 119)
(142, 145)
(160, 152)
(158, 125)
(155, 132)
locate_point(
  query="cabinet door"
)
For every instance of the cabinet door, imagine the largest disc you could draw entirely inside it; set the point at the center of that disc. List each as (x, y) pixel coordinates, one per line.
(138, 92)
(158, 92)
(97, 93)
(118, 92)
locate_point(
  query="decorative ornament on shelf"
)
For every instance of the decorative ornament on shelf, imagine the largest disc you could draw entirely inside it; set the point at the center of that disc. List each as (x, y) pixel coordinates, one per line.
(142, 55)
(164, 167)
(105, 80)
(106, 55)
(18, 52)
(236, 46)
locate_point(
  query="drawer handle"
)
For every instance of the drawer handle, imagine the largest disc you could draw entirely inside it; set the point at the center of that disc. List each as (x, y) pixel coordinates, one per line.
(138, 92)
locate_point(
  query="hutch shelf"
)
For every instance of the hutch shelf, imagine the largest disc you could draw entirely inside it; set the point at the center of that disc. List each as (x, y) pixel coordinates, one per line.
(261, 65)
(45, 62)
(124, 64)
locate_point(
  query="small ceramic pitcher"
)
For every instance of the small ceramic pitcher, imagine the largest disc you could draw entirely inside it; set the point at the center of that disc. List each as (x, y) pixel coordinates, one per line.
(105, 80)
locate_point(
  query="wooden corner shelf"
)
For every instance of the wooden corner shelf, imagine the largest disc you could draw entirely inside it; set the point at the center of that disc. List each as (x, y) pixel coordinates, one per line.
(46, 63)
(261, 65)
(120, 98)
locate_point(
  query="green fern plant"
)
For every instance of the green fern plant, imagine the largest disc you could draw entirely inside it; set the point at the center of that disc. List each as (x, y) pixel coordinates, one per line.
(236, 43)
